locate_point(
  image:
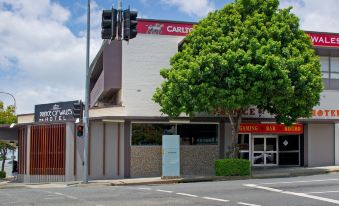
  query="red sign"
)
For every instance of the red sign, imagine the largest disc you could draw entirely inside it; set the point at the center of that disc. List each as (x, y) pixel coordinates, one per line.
(271, 128)
(321, 39)
(163, 28)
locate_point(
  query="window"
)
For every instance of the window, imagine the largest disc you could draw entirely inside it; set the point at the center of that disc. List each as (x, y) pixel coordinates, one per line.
(330, 72)
(190, 134)
(244, 145)
(150, 134)
(198, 134)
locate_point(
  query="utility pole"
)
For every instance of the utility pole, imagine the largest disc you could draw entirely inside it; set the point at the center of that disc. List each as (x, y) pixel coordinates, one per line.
(86, 113)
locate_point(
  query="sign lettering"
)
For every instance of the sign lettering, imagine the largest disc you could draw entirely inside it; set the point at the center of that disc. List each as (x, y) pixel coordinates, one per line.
(271, 128)
(54, 112)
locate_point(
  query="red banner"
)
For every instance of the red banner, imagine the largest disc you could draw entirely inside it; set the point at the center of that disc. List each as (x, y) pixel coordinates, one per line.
(321, 39)
(163, 28)
(182, 29)
(271, 128)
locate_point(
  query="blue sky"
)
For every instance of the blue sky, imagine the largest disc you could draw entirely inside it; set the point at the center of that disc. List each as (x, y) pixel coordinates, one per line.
(43, 42)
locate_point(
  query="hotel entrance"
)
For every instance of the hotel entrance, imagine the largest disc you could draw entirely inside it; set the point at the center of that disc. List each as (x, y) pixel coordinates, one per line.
(265, 150)
(270, 144)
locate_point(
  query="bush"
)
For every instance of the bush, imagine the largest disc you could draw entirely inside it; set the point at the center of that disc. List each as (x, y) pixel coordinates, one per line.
(232, 167)
(2, 174)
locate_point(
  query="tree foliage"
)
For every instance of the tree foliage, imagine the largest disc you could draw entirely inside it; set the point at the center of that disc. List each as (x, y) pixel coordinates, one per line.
(7, 115)
(250, 53)
(4, 148)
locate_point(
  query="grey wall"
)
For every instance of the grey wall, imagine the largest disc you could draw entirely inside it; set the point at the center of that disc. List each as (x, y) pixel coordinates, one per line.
(320, 145)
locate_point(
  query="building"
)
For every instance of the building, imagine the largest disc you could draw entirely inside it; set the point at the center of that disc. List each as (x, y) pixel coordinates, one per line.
(126, 125)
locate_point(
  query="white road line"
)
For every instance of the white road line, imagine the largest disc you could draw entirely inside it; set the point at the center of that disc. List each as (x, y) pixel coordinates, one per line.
(216, 199)
(144, 188)
(248, 204)
(53, 198)
(58, 193)
(8, 203)
(321, 192)
(263, 188)
(185, 194)
(294, 193)
(303, 181)
(167, 191)
(68, 196)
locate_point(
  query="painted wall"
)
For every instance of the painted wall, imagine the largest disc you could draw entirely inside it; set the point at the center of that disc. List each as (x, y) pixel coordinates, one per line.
(142, 60)
(104, 152)
(320, 145)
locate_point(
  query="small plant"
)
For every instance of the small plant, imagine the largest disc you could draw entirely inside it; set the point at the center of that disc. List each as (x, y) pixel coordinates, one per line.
(2, 174)
(232, 167)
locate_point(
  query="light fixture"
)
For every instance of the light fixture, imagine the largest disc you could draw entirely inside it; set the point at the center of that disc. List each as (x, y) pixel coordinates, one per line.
(114, 120)
(12, 125)
(77, 120)
(180, 121)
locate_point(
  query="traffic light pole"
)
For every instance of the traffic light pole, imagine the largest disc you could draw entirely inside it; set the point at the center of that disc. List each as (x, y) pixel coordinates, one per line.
(86, 113)
(119, 20)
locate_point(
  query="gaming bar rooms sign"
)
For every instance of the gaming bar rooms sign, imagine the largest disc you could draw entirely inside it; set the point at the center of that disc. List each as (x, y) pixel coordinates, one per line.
(54, 112)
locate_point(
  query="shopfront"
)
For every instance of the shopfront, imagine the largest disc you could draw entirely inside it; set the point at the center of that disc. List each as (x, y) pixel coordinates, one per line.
(271, 144)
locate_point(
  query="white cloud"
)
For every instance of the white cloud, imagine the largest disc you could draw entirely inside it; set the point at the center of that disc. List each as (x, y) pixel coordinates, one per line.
(41, 59)
(199, 8)
(315, 15)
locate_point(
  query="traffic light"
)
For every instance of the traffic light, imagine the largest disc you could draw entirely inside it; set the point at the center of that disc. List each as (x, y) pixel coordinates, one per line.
(109, 24)
(130, 24)
(78, 109)
(80, 131)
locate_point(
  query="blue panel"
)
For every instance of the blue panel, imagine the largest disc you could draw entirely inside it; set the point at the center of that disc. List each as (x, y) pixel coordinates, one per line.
(170, 155)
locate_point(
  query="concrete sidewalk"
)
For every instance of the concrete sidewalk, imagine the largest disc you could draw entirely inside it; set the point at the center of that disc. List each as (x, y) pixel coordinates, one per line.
(257, 173)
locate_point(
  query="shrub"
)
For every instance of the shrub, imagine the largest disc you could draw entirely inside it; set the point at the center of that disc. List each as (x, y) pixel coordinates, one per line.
(2, 174)
(232, 167)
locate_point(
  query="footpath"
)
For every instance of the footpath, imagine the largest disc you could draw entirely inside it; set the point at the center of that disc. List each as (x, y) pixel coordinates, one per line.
(257, 173)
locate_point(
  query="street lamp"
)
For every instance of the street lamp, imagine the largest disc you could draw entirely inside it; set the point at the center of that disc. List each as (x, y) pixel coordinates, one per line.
(12, 97)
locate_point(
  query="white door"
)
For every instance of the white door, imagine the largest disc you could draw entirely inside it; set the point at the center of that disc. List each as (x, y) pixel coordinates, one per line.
(265, 150)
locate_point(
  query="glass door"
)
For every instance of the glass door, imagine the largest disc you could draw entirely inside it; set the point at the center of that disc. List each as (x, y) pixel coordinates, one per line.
(265, 151)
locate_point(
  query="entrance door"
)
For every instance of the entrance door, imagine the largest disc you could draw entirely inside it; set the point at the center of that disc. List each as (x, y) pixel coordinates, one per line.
(265, 151)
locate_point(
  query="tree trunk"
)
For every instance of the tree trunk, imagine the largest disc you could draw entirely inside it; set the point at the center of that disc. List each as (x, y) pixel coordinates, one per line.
(3, 154)
(235, 119)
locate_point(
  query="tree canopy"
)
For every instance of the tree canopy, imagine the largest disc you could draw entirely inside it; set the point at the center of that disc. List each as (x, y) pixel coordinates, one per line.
(250, 53)
(7, 115)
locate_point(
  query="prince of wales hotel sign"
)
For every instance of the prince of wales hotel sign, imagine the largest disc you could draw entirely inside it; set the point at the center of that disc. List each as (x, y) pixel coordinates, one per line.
(54, 112)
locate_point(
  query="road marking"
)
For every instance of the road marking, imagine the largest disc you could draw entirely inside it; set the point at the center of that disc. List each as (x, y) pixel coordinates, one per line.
(216, 199)
(303, 181)
(185, 194)
(144, 188)
(263, 188)
(53, 198)
(8, 203)
(167, 191)
(68, 196)
(248, 204)
(58, 193)
(294, 193)
(321, 192)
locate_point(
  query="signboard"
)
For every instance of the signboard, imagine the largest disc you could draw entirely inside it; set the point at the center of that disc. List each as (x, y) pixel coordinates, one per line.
(164, 28)
(170, 156)
(322, 39)
(54, 112)
(271, 128)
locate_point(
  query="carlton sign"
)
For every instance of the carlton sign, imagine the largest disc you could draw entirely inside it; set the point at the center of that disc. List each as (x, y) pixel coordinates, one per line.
(164, 28)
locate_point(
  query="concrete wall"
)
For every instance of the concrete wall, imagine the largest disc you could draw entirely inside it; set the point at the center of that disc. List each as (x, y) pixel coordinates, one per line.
(106, 159)
(320, 145)
(142, 60)
(69, 163)
(336, 146)
(146, 161)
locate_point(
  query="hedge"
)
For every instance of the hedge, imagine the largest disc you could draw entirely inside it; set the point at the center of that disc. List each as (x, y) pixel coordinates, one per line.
(2, 174)
(232, 167)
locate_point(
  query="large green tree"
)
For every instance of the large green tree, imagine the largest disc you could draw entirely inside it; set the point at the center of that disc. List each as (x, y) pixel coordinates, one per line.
(250, 53)
(7, 116)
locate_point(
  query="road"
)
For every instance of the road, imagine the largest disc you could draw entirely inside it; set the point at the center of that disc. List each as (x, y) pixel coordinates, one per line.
(315, 190)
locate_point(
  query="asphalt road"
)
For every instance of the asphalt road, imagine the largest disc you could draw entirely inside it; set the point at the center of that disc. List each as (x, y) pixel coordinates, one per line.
(309, 191)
